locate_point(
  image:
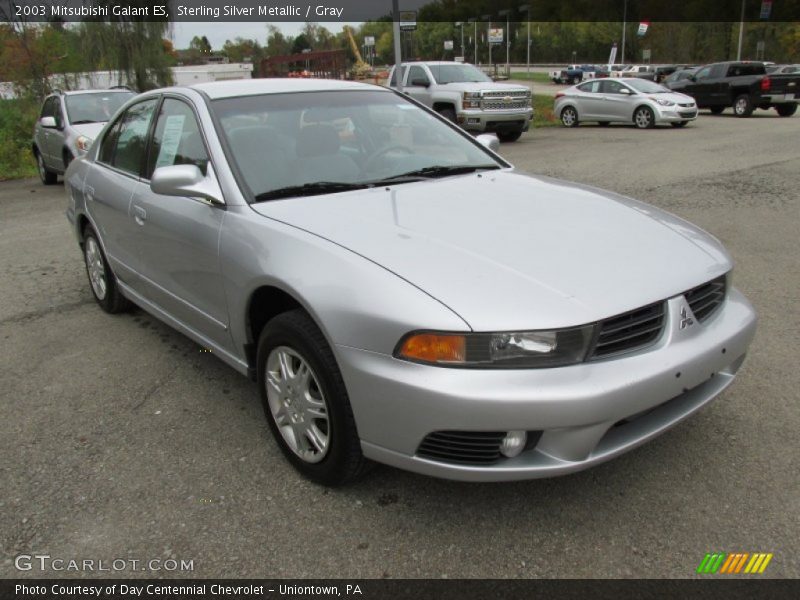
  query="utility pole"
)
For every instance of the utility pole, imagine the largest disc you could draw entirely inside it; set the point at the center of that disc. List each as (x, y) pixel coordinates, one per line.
(475, 39)
(507, 36)
(741, 34)
(488, 42)
(527, 10)
(624, 23)
(398, 60)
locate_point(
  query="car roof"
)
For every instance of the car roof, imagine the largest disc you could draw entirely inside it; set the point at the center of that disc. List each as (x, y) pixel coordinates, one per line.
(255, 87)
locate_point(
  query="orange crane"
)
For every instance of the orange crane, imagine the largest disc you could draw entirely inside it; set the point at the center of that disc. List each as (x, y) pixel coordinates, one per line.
(361, 70)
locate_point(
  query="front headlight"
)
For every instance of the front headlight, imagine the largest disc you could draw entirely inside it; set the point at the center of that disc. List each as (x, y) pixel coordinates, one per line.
(663, 102)
(518, 349)
(83, 143)
(472, 100)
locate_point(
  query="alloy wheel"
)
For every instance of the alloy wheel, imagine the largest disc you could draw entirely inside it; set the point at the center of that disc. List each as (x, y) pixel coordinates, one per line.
(643, 118)
(297, 404)
(96, 268)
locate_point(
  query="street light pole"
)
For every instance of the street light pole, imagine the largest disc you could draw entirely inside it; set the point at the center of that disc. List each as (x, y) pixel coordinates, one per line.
(461, 24)
(487, 18)
(741, 34)
(398, 60)
(527, 10)
(506, 13)
(624, 22)
(475, 40)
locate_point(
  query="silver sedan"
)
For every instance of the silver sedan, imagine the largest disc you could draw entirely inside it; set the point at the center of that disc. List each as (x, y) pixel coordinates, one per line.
(626, 100)
(400, 292)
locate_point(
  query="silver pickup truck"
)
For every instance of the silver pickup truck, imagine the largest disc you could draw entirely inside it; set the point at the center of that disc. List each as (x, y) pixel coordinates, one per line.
(465, 95)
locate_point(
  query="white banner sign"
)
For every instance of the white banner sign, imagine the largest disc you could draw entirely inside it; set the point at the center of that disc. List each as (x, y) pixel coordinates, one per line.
(613, 56)
(448, 44)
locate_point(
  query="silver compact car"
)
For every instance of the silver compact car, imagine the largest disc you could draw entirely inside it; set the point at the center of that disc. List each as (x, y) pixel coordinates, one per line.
(625, 100)
(399, 291)
(68, 124)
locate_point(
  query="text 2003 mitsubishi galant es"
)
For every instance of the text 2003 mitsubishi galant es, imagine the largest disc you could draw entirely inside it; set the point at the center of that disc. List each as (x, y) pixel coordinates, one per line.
(398, 290)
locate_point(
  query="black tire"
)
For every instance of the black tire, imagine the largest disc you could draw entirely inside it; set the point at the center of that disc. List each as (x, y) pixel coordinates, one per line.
(448, 113)
(509, 136)
(47, 176)
(786, 110)
(717, 110)
(743, 106)
(112, 301)
(603, 123)
(67, 158)
(569, 117)
(678, 124)
(644, 118)
(343, 461)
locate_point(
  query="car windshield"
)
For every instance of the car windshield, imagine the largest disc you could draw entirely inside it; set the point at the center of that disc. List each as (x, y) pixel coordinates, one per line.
(457, 73)
(95, 107)
(322, 142)
(646, 87)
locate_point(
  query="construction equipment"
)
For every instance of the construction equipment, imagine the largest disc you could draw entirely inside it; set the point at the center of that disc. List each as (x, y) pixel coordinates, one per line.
(360, 70)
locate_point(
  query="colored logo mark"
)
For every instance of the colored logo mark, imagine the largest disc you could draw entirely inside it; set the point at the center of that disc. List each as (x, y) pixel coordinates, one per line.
(734, 562)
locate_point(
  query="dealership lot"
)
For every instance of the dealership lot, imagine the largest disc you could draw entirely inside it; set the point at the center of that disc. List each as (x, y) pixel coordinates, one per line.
(123, 439)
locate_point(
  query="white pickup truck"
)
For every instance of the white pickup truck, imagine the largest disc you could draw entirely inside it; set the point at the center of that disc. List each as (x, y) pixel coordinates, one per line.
(465, 95)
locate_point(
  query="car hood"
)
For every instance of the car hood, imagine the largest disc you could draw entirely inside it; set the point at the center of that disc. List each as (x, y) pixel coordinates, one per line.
(479, 86)
(90, 130)
(509, 251)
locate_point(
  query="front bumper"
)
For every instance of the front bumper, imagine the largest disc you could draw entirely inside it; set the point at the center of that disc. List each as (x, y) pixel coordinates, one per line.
(672, 114)
(587, 413)
(489, 121)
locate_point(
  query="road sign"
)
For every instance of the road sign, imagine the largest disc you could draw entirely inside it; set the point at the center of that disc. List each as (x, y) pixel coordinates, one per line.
(448, 44)
(369, 40)
(496, 35)
(766, 9)
(408, 20)
(646, 55)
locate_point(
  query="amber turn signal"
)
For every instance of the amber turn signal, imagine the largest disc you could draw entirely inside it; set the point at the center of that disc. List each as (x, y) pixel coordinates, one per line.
(435, 348)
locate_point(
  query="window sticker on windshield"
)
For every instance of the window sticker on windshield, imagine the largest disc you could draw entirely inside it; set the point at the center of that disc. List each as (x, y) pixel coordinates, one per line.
(170, 140)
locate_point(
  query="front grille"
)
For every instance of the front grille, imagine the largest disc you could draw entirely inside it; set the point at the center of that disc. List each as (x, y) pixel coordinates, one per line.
(705, 299)
(686, 105)
(502, 105)
(629, 331)
(513, 94)
(465, 447)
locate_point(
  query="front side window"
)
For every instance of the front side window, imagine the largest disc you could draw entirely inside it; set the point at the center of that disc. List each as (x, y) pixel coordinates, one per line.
(355, 138)
(95, 108)
(703, 73)
(612, 87)
(417, 76)
(177, 139)
(403, 70)
(125, 144)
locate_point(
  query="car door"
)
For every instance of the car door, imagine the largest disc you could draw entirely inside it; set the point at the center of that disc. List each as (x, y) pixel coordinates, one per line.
(43, 134)
(55, 137)
(417, 85)
(110, 185)
(179, 236)
(588, 100)
(701, 87)
(617, 105)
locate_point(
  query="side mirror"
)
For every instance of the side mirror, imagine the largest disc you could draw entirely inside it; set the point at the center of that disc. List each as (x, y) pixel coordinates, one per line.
(186, 180)
(692, 78)
(625, 91)
(48, 122)
(490, 141)
(420, 83)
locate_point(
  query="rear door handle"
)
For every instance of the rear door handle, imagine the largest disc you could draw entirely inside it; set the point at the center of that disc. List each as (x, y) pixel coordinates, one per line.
(139, 215)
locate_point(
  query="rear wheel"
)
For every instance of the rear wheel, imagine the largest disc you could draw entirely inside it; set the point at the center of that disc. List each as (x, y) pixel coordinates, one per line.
(569, 117)
(47, 176)
(679, 124)
(644, 118)
(786, 110)
(743, 106)
(509, 136)
(306, 402)
(717, 110)
(101, 279)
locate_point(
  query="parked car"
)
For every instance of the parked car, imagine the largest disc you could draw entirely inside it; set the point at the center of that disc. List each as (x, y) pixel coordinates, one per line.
(465, 95)
(400, 292)
(572, 74)
(679, 79)
(744, 86)
(781, 69)
(631, 100)
(67, 125)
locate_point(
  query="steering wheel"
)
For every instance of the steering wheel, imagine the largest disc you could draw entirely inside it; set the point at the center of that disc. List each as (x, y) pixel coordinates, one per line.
(372, 160)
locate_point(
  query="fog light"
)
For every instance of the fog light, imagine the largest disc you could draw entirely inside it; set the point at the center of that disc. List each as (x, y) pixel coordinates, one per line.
(513, 443)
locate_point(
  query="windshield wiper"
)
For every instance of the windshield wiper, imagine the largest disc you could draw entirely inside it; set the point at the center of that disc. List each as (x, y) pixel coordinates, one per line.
(436, 171)
(310, 189)
(85, 122)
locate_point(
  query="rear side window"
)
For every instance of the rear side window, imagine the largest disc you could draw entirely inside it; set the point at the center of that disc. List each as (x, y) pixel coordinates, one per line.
(746, 69)
(177, 139)
(125, 144)
(591, 87)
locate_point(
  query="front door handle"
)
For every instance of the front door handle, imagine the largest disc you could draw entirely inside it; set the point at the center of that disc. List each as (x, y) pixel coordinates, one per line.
(139, 215)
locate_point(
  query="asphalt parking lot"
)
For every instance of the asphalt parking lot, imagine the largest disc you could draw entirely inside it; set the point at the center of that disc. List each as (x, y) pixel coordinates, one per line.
(122, 439)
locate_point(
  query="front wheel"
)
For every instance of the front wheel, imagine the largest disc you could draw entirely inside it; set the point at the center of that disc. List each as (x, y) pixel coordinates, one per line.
(46, 175)
(644, 118)
(306, 402)
(786, 110)
(569, 117)
(678, 124)
(448, 113)
(743, 106)
(509, 136)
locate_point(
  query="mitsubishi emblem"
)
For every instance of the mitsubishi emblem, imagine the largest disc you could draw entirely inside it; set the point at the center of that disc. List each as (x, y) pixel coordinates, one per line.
(686, 320)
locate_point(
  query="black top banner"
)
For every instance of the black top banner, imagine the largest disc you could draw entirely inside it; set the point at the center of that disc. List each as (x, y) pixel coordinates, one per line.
(423, 10)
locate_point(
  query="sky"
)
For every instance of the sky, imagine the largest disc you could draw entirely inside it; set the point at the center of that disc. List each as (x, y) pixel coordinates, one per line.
(217, 32)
